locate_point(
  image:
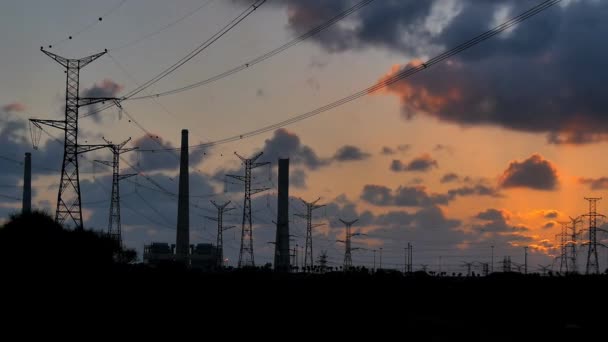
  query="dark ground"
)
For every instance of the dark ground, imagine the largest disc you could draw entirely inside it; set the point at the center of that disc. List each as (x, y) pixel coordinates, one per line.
(85, 289)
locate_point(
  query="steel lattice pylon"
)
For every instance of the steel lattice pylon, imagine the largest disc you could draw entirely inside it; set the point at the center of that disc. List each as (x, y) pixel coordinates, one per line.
(592, 261)
(221, 209)
(564, 249)
(246, 252)
(310, 206)
(348, 261)
(68, 196)
(114, 227)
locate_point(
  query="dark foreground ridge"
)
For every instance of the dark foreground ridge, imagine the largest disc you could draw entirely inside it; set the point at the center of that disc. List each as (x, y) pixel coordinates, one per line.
(87, 272)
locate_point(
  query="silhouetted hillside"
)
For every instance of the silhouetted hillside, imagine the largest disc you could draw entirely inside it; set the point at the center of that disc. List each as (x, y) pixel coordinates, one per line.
(35, 242)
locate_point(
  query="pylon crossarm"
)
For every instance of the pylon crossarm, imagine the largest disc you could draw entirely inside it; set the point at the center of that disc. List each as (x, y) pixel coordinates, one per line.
(228, 227)
(104, 162)
(87, 101)
(121, 177)
(88, 148)
(237, 177)
(255, 165)
(256, 191)
(60, 124)
(86, 60)
(61, 60)
(125, 150)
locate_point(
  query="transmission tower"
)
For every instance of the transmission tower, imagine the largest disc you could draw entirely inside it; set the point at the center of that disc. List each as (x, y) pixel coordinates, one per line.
(221, 209)
(572, 243)
(506, 264)
(348, 261)
(68, 197)
(592, 262)
(310, 207)
(564, 250)
(544, 269)
(409, 257)
(246, 252)
(468, 265)
(114, 229)
(322, 261)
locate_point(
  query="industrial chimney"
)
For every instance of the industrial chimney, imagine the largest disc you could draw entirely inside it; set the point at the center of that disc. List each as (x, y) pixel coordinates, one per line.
(26, 207)
(183, 204)
(281, 254)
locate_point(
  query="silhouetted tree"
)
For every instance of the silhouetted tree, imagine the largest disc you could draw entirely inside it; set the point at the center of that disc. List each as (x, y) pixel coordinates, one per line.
(36, 241)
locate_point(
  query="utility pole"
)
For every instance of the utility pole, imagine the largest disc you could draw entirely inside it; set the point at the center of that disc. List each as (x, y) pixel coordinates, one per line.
(526, 260)
(246, 251)
(310, 207)
(221, 209)
(114, 226)
(592, 261)
(410, 256)
(380, 257)
(69, 203)
(295, 253)
(348, 261)
(405, 264)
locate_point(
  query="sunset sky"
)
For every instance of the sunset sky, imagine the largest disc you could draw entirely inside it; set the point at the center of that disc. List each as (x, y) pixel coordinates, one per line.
(495, 146)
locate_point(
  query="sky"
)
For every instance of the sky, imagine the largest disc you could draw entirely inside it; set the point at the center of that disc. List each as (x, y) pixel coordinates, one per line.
(495, 146)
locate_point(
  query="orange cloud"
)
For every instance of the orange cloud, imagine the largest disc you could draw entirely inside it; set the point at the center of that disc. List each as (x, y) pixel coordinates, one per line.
(417, 97)
(14, 107)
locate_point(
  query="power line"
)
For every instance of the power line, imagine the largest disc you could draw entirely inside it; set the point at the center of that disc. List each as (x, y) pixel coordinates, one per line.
(202, 47)
(89, 26)
(267, 55)
(410, 71)
(155, 32)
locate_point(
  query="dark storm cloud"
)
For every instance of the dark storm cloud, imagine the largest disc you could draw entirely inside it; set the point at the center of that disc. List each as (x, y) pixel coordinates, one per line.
(476, 190)
(533, 173)
(595, 183)
(387, 151)
(15, 141)
(549, 225)
(417, 196)
(158, 154)
(420, 164)
(449, 177)
(297, 179)
(350, 153)
(106, 88)
(497, 222)
(285, 144)
(542, 76)
(551, 214)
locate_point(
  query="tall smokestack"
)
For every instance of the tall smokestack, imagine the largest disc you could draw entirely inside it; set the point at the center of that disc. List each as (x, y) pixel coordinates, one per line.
(281, 253)
(26, 207)
(183, 204)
